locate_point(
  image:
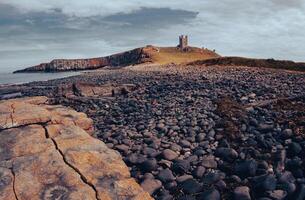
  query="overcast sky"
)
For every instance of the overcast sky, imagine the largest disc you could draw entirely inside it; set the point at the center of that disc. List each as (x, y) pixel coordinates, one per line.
(35, 31)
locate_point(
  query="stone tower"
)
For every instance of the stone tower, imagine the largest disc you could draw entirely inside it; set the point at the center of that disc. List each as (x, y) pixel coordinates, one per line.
(183, 41)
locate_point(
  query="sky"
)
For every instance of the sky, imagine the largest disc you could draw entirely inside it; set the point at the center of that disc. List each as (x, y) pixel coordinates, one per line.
(35, 31)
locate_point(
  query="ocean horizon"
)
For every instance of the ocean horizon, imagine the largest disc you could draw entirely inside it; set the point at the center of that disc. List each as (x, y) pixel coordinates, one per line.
(7, 78)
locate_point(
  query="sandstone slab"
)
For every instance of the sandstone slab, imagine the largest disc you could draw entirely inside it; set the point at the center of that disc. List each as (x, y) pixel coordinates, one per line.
(47, 153)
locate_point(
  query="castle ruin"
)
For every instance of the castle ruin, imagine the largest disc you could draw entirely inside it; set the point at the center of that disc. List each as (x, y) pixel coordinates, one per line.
(183, 41)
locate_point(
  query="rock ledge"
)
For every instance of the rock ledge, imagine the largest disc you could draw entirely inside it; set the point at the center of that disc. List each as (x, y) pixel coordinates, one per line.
(46, 153)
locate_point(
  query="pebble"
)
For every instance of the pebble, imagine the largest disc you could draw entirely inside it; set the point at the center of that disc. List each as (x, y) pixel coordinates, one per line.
(211, 194)
(191, 186)
(246, 168)
(209, 162)
(151, 185)
(242, 193)
(169, 154)
(166, 175)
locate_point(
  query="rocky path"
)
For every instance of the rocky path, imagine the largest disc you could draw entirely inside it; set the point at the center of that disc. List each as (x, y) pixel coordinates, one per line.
(46, 153)
(198, 133)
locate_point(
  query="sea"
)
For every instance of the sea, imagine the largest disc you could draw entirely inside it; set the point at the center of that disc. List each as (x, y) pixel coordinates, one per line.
(19, 78)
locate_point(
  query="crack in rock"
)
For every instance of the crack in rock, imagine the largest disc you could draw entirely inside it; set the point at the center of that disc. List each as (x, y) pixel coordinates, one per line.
(83, 178)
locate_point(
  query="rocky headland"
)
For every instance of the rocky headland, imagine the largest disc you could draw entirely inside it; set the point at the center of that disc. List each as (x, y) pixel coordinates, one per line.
(196, 131)
(148, 54)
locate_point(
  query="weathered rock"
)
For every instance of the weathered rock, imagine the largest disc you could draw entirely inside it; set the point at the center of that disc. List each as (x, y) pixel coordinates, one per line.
(227, 154)
(191, 186)
(166, 175)
(169, 154)
(151, 185)
(211, 194)
(242, 193)
(246, 168)
(52, 156)
(209, 162)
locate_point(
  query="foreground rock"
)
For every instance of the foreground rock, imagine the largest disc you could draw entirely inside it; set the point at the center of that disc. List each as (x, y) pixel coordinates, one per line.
(46, 153)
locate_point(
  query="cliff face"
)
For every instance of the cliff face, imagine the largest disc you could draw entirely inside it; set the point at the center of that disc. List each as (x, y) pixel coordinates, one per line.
(135, 56)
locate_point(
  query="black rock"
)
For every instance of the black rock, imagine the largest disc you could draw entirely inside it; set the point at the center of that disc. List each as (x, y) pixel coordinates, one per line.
(264, 183)
(294, 149)
(211, 194)
(181, 166)
(190, 186)
(286, 177)
(166, 175)
(149, 165)
(227, 154)
(300, 194)
(246, 168)
(199, 172)
(212, 177)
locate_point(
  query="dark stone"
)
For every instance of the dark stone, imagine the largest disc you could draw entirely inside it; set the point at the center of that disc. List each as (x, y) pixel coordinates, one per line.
(242, 193)
(166, 175)
(300, 194)
(277, 194)
(264, 183)
(294, 149)
(199, 172)
(191, 186)
(227, 154)
(151, 185)
(211, 194)
(149, 165)
(209, 162)
(212, 177)
(181, 166)
(170, 185)
(185, 143)
(246, 168)
(286, 177)
(135, 158)
(169, 154)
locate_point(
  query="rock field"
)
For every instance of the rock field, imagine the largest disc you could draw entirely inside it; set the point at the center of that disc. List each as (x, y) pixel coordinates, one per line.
(205, 133)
